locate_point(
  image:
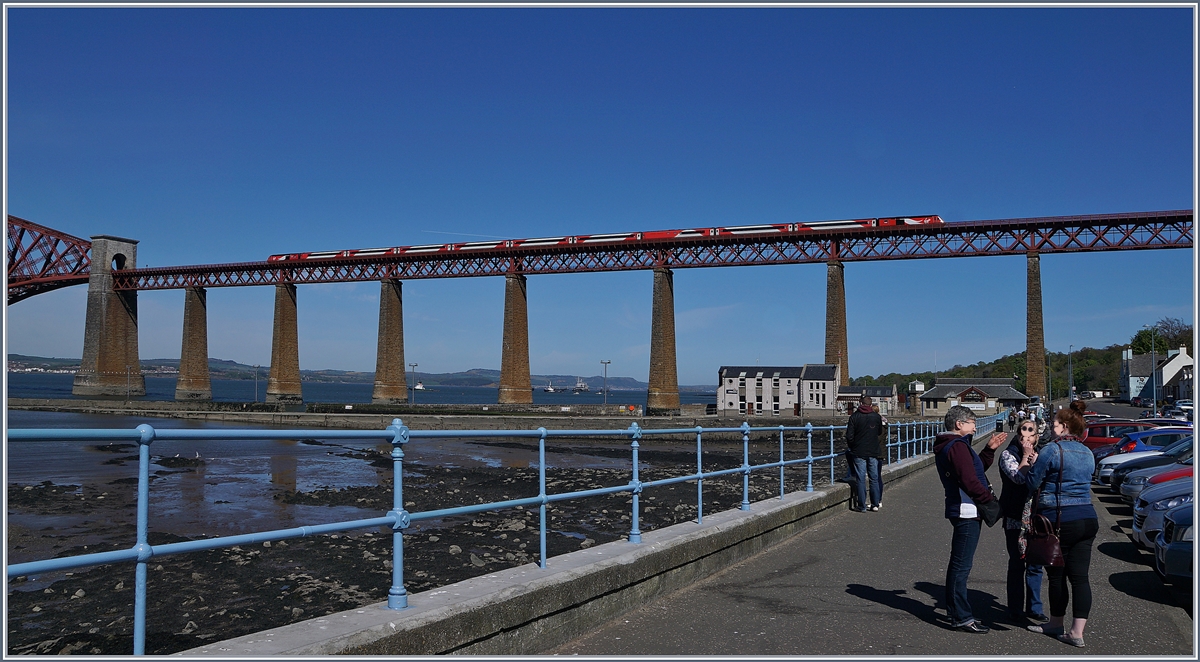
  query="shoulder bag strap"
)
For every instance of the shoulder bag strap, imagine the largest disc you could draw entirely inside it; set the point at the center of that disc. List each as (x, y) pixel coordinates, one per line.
(1062, 461)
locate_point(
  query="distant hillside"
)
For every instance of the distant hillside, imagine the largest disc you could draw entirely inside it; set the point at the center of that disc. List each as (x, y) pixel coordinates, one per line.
(224, 369)
(1095, 370)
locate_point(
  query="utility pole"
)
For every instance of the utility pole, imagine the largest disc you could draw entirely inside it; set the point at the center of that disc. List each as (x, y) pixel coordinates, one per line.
(1070, 374)
(256, 383)
(605, 363)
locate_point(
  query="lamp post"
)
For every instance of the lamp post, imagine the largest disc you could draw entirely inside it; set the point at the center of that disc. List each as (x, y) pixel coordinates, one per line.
(605, 363)
(414, 383)
(256, 383)
(1070, 375)
(1153, 365)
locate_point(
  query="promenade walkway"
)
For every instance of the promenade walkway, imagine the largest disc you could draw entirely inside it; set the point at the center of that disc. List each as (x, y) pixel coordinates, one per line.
(872, 583)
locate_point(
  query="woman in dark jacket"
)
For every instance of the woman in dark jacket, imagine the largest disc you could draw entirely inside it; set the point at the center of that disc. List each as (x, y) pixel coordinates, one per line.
(1063, 474)
(1024, 580)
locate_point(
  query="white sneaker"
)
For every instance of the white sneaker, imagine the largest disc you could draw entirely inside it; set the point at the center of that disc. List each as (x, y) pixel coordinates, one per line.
(874, 509)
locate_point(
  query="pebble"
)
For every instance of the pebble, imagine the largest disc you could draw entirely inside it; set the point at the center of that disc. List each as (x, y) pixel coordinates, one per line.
(267, 543)
(476, 561)
(120, 585)
(37, 608)
(78, 594)
(455, 549)
(434, 538)
(297, 612)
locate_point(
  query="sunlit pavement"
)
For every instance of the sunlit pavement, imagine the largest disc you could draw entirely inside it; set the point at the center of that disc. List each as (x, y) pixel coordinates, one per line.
(872, 583)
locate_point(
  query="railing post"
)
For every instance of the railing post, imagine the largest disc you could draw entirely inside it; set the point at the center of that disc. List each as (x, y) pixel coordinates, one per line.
(832, 459)
(745, 465)
(635, 534)
(542, 496)
(397, 595)
(780, 461)
(143, 539)
(888, 445)
(808, 431)
(699, 481)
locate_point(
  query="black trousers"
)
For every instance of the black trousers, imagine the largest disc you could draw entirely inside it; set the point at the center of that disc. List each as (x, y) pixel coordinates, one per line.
(1076, 538)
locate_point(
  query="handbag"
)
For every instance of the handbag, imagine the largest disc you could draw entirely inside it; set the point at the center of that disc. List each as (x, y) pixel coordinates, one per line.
(1042, 545)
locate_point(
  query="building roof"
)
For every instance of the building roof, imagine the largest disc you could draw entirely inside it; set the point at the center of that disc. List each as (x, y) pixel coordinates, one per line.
(1141, 365)
(820, 371)
(969, 381)
(765, 371)
(872, 391)
(998, 391)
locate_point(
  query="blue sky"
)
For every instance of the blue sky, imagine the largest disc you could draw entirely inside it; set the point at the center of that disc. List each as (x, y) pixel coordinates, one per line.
(225, 135)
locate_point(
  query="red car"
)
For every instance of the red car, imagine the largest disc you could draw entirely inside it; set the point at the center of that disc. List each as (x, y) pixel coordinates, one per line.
(1103, 433)
(1174, 474)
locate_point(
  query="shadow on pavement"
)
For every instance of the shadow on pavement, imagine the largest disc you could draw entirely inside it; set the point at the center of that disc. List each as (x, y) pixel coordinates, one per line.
(1142, 585)
(1123, 551)
(984, 605)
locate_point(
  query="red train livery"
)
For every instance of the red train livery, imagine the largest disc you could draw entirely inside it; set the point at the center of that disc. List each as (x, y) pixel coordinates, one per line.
(623, 237)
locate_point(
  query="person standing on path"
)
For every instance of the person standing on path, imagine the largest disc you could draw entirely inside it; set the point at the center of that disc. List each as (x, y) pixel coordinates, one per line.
(968, 494)
(882, 454)
(1024, 581)
(1063, 472)
(862, 455)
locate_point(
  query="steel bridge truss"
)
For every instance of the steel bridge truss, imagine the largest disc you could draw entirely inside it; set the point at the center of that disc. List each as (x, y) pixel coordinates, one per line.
(1056, 234)
(41, 259)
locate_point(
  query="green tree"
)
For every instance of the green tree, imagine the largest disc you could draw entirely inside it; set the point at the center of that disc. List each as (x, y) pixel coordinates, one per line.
(1141, 342)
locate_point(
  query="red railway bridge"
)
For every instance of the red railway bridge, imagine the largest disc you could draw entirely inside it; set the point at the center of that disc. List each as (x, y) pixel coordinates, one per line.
(42, 259)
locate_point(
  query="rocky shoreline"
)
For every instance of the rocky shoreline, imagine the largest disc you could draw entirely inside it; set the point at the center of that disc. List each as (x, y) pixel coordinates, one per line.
(196, 598)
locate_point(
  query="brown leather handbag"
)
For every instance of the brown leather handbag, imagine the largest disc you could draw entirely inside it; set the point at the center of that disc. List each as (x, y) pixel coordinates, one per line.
(1042, 546)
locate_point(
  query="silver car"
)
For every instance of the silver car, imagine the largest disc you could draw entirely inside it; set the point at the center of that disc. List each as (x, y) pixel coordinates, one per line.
(1138, 480)
(1152, 504)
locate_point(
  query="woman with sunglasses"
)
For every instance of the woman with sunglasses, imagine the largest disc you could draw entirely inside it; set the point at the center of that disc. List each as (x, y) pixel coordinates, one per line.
(1024, 580)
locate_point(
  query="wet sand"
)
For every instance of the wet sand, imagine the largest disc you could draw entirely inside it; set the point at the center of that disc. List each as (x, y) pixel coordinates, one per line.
(205, 596)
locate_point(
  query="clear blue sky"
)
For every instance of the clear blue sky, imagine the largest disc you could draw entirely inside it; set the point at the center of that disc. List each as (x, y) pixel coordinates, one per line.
(225, 135)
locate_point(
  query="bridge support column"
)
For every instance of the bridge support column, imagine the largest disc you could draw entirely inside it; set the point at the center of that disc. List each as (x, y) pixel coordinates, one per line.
(663, 394)
(1035, 339)
(110, 366)
(837, 350)
(283, 384)
(193, 382)
(515, 385)
(390, 384)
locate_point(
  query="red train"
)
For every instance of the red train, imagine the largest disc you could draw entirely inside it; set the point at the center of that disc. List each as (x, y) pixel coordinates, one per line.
(543, 242)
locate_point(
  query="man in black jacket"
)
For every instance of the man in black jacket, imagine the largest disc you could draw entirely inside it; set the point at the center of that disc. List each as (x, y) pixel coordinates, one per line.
(862, 454)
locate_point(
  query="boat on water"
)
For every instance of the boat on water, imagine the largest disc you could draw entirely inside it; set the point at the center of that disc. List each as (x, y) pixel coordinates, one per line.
(580, 386)
(550, 388)
(419, 387)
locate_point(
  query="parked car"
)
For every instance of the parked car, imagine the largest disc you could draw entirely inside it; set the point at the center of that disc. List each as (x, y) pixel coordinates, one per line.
(1136, 401)
(1167, 422)
(1173, 546)
(1136, 481)
(1152, 439)
(1109, 432)
(1152, 504)
(1127, 462)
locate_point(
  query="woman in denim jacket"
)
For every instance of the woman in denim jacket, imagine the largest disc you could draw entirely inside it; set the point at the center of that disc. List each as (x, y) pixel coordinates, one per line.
(1070, 460)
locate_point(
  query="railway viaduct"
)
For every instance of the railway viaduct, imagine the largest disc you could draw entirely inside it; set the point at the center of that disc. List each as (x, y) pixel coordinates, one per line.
(42, 259)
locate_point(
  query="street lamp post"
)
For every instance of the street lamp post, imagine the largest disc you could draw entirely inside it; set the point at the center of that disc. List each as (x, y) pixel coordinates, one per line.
(1153, 365)
(1070, 375)
(605, 363)
(414, 383)
(256, 383)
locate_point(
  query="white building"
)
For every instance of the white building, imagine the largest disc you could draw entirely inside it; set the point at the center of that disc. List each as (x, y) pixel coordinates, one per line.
(776, 390)
(984, 396)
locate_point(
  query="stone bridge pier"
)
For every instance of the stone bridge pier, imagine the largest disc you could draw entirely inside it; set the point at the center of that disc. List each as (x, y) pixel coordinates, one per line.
(110, 365)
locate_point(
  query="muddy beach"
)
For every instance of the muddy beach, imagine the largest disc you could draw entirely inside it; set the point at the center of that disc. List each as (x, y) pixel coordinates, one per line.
(196, 598)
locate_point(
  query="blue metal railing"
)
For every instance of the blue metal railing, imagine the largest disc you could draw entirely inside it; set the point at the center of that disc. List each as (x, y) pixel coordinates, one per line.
(910, 439)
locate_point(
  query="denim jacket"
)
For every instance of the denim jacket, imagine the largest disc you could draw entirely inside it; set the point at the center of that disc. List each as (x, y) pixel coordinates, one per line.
(1075, 462)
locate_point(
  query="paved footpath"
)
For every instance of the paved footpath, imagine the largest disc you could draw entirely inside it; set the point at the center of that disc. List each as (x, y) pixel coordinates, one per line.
(872, 583)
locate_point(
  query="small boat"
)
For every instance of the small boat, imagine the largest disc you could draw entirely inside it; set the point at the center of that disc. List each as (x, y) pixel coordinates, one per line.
(580, 386)
(419, 387)
(549, 388)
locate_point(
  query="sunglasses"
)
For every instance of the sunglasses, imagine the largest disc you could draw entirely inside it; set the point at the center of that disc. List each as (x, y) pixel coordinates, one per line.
(1028, 429)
